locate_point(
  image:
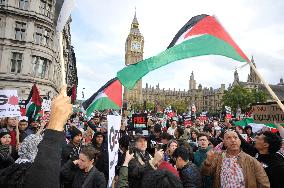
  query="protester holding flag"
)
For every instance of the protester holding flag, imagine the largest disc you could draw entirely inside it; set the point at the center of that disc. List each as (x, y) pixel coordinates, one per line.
(45, 171)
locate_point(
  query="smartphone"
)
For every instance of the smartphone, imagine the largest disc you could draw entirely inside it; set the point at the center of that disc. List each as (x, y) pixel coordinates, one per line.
(159, 146)
(131, 147)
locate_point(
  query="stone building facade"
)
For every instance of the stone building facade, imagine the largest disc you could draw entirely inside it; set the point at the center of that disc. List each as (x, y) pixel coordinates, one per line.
(28, 53)
(204, 99)
(253, 82)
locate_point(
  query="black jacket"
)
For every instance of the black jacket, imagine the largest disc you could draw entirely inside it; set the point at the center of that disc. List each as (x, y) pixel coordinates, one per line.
(136, 169)
(70, 151)
(273, 164)
(45, 171)
(14, 176)
(8, 155)
(92, 179)
(102, 160)
(190, 176)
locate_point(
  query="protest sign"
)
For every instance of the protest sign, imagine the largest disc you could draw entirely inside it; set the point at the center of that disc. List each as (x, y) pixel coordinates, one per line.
(113, 137)
(46, 105)
(267, 113)
(139, 121)
(9, 103)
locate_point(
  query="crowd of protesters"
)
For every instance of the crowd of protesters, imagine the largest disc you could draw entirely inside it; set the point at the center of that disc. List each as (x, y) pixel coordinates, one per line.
(67, 149)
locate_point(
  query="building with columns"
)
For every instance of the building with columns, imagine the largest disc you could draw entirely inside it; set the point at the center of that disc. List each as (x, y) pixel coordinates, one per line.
(28, 53)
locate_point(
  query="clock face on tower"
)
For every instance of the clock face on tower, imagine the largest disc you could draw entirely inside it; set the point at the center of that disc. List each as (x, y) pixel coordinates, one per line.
(136, 46)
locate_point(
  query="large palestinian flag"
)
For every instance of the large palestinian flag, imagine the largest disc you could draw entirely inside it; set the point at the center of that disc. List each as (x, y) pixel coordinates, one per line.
(108, 96)
(201, 35)
(33, 103)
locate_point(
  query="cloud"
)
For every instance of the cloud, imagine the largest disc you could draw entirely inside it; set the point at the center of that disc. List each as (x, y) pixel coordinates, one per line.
(99, 30)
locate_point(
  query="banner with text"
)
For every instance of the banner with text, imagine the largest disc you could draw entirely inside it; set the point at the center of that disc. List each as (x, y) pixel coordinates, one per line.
(139, 121)
(267, 113)
(113, 137)
(9, 103)
(46, 105)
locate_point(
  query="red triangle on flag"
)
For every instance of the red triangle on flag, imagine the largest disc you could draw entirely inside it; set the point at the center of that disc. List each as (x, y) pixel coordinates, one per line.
(114, 92)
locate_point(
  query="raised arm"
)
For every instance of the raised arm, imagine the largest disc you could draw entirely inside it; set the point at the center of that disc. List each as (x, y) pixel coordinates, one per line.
(45, 171)
(280, 129)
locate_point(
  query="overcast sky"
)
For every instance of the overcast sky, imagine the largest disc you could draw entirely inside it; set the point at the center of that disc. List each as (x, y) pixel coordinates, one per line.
(99, 30)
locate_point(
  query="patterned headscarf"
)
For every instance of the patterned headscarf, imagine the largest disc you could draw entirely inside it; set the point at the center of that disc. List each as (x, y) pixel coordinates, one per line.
(28, 149)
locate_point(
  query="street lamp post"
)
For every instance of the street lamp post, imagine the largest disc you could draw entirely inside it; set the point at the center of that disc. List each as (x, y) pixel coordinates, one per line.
(83, 95)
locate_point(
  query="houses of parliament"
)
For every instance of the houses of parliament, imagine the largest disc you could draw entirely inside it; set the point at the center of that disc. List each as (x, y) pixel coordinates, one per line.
(203, 98)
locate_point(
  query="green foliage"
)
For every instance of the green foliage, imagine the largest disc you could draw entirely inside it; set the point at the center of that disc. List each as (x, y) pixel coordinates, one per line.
(150, 105)
(137, 106)
(180, 105)
(242, 97)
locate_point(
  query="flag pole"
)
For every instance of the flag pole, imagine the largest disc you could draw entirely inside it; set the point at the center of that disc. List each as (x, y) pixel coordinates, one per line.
(61, 58)
(271, 92)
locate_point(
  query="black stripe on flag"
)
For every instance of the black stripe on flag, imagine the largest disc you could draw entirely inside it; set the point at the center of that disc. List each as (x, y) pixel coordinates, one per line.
(194, 20)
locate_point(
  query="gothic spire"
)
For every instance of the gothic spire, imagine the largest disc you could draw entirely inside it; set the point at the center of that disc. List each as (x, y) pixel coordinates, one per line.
(192, 76)
(135, 25)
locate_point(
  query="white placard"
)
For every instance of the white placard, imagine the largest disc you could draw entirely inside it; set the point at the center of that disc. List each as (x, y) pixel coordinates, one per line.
(9, 104)
(113, 137)
(46, 105)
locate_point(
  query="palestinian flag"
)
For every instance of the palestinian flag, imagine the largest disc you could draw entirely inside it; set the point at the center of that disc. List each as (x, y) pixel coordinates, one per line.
(107, 97)
(201, 35)
(33, 103)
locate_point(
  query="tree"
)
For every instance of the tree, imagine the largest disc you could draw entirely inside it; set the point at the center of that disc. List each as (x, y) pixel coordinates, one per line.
(242, 97)
(150, 105)
(180, 106)
(137, 106)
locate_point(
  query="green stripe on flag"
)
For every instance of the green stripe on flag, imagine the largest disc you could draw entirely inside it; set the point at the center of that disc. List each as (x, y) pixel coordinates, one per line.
(101, 103)
(203, 45)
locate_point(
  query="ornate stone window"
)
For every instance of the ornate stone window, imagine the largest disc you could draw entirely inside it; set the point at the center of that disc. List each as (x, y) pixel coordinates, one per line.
(16, 62)
(45, 7)
(43, 36)
(24, 4)
(40, 66)
(2, 2)
(20, 30)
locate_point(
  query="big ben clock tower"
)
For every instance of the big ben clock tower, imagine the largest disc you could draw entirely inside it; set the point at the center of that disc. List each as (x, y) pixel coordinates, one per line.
(134, 53)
